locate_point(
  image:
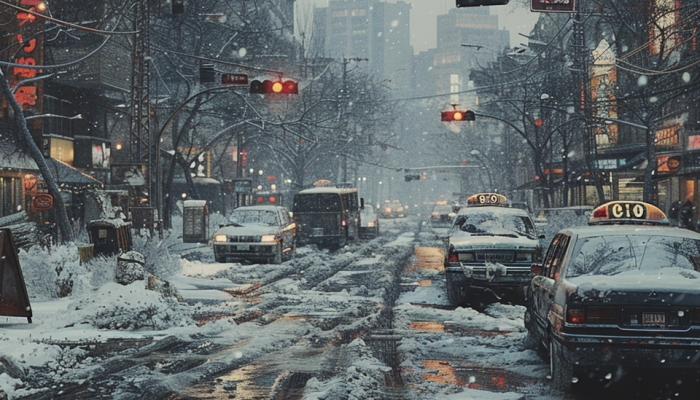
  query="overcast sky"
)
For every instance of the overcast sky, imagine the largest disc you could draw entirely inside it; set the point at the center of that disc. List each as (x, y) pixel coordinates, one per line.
(424, 16)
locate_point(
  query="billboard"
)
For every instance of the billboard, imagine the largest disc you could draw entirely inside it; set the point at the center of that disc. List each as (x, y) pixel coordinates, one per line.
(553, 5)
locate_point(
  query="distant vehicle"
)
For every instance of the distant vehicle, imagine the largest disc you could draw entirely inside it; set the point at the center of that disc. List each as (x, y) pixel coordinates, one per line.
(441, 219)
(256, 233)
(327, 216)
(369, 222)
(489, 252)
(617, 297)
(392, 209)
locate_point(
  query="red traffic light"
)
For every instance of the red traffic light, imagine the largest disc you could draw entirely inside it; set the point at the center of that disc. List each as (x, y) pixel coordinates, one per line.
(274, 87)
(458, 115)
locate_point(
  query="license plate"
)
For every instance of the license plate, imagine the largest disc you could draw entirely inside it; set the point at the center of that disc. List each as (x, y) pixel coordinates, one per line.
(497, 257)
(244, 247)
(317, 232)
(654, 319)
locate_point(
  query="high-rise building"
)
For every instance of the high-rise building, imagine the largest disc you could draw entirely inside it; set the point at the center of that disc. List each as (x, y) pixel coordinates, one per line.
(367, 29)
(467, 39)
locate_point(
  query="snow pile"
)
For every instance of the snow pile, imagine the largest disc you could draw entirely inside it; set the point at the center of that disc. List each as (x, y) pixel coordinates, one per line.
(130, 307)
(363, 379)
(56, 273)
(159, 261)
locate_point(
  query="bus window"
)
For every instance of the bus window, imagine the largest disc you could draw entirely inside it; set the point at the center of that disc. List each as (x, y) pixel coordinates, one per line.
(317, 203)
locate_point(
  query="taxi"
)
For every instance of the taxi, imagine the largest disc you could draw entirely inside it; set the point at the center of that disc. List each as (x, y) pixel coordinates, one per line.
(490, 250)
(617, 295)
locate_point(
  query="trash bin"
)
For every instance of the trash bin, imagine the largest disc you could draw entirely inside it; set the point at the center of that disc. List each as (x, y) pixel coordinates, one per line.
(109, 236)
(195, 221)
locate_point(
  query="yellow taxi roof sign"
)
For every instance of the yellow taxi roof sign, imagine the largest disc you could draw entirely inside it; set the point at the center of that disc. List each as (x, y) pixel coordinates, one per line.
(487, 199)
(628, 212)
(322, 183)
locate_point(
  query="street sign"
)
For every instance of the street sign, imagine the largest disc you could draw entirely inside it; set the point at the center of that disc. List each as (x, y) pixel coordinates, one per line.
(552, 5)
(42, 202)
(234, 79)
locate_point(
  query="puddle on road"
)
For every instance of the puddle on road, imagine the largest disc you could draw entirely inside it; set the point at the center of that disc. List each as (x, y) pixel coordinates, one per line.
(474, 376)
(427, 258)
(427, 326)
(243, 290)
(431, 326)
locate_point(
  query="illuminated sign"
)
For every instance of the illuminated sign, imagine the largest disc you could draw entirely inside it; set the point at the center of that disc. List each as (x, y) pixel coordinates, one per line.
(42, 202)
(667, 136)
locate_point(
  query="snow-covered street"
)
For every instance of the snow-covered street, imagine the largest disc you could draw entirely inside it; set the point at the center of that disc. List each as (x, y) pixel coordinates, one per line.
(368, 321)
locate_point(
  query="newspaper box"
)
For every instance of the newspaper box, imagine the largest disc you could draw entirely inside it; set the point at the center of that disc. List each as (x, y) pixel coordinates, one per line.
(110, 236)
(195, 221)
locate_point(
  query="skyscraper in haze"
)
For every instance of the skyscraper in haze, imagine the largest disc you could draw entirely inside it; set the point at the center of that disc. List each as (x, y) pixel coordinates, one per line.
(370, 29)
(446, 68)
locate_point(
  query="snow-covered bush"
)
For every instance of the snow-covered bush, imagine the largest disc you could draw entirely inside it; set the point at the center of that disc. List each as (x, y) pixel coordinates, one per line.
(52, 274)
(159, 261)
(131, 307)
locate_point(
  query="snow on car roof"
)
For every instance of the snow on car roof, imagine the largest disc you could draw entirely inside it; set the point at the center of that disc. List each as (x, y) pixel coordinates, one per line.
(602, 230)
(260, 208)
(496, 210)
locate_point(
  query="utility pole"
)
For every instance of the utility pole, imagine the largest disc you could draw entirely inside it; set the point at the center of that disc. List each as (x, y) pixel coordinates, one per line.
(581, 66)
(344, 104)
(140, 130)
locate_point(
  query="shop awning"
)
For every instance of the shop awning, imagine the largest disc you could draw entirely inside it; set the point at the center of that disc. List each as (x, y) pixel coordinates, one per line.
(64, 174)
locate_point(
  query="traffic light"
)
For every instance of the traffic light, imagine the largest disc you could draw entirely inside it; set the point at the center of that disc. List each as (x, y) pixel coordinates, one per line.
(411, 177)
(207, 73)
(458, 115)
(178, 6)
(477, 3)
(274, 87)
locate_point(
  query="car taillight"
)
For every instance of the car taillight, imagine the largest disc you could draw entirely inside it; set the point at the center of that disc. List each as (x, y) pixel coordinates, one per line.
(591, 315)
(453, 257)
(575, 315)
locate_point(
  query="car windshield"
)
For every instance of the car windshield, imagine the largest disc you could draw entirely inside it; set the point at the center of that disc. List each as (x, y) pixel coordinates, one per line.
(490, 223)
(614, 254)
(261, 217)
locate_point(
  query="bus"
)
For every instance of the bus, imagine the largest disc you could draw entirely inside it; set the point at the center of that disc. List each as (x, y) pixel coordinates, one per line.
(327, 216)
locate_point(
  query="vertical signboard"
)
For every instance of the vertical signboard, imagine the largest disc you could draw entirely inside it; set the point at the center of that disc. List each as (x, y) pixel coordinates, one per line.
(24, 45)
(552, 5)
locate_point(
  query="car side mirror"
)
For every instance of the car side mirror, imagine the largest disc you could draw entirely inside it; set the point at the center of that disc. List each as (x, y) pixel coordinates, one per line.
(536, 269)
(540, 237)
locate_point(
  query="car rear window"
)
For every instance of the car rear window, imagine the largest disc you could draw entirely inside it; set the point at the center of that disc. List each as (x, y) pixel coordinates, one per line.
(614, 254)
(496, 224)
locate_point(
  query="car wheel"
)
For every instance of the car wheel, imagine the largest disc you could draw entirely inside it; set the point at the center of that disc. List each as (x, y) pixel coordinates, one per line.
(455, 294)
(278, 254)
(561, 370)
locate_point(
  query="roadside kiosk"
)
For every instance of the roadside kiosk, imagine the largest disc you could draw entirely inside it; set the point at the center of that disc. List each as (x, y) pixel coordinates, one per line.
(195, 221)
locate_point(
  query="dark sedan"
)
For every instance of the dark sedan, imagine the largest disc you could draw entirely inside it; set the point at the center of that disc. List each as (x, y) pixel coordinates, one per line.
(616, 297)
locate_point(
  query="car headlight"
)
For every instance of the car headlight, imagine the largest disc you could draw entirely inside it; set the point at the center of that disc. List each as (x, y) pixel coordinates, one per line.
(520, 256)
(387, 210)
(370, 224)
(220, 238)
(267, 238)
